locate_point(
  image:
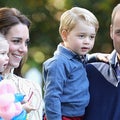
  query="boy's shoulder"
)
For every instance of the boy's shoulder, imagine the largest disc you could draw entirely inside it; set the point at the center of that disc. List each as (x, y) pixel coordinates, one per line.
(57, 59)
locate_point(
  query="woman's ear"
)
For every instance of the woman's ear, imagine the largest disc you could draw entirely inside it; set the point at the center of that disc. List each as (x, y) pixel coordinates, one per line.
(64, 35)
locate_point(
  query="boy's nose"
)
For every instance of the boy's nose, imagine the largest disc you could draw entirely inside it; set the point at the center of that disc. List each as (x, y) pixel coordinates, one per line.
(87, 40)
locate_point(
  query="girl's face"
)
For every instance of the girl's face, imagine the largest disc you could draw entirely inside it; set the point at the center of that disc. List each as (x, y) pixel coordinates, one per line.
(4, 49)
(18, 38)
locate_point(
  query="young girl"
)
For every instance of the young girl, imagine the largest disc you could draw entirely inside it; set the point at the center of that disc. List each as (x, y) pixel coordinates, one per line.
(4, 49)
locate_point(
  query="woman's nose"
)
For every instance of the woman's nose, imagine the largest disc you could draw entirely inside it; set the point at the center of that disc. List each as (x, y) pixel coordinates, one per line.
(23, 48)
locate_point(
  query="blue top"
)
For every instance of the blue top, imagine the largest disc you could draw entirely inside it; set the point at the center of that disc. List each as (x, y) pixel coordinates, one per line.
(104, 91)
(1, 77)
(66, 85)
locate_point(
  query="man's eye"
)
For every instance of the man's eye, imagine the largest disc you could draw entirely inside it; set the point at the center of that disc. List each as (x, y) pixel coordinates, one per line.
(117, 32)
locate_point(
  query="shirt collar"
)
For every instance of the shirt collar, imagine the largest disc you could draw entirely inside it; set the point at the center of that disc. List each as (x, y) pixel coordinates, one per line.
(113, 60)
(68, 53)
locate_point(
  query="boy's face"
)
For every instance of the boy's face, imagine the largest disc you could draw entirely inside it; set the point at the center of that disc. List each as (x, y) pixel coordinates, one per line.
(4, 49)
(81, 38)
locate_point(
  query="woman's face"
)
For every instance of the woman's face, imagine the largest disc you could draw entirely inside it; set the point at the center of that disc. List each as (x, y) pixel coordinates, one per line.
(18, 38)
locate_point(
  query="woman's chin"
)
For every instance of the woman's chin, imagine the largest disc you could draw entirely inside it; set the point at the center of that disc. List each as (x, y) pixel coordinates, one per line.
(14, 65)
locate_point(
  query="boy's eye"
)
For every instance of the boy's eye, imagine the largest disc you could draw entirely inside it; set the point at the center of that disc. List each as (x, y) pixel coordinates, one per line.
(92, 37)
(81, 36)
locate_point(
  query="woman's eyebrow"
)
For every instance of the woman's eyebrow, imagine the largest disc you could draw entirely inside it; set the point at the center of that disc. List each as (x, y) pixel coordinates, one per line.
(19, 38)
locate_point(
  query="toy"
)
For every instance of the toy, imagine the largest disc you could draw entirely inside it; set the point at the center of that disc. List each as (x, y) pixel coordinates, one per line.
(10, 102)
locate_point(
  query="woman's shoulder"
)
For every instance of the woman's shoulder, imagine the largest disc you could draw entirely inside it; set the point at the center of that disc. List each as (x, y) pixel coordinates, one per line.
(33, 94)
(25, 83)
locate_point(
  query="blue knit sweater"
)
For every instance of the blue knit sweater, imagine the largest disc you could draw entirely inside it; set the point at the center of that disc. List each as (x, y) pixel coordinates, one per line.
(104, 91)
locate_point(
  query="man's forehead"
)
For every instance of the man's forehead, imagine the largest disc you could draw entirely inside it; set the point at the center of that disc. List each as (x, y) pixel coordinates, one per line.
(116, 20)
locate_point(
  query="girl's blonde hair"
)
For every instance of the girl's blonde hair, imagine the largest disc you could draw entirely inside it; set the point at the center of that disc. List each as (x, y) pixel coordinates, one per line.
(2, 38)
(70, 18)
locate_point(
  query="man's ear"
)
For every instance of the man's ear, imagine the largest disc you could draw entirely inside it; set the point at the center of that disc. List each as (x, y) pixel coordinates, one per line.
(64, 35)
(111, 31)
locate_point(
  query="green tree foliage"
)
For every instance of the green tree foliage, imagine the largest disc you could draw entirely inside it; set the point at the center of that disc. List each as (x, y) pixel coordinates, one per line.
(45, 15)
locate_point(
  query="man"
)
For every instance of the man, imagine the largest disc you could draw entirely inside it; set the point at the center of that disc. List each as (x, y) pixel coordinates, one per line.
(104, 79)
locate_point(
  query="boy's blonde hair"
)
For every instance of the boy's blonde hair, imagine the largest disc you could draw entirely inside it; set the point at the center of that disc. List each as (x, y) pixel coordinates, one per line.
(115, 10)
(70, 18)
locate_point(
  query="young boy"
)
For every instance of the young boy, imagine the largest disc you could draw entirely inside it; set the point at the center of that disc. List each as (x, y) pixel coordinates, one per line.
(4, 49)
(66, 85)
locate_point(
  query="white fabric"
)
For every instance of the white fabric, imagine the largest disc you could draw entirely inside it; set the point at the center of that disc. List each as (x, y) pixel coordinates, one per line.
(25, 87)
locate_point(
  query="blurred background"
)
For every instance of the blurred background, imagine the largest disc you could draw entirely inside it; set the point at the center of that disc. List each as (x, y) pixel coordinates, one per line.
(44, 34)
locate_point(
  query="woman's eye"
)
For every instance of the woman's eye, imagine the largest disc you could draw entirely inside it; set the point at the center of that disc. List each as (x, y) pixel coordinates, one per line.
(27, 42)
(15, 41)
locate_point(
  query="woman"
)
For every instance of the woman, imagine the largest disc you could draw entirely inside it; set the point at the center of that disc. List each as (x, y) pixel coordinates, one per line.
(15, 26)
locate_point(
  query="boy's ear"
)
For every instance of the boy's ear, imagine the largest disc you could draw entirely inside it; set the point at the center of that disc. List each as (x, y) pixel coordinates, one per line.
(64, 35)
